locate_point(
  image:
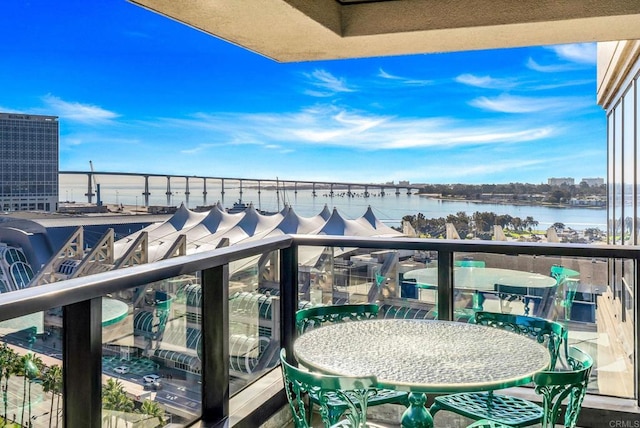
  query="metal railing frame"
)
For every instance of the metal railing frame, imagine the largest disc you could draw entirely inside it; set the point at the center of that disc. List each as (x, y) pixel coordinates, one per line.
(80, 299)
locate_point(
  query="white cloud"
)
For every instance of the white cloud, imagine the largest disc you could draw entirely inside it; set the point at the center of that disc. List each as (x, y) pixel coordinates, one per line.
(486, 82)
(326, 81)
(331, 126)
(575, 56)
(404, 80)
(77, 112)
(506, 103)
(487, 167)
(198, 149)
(554, 68)
(583, 53)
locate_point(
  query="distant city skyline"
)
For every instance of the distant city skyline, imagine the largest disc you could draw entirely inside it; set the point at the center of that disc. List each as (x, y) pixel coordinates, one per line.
(137, 92)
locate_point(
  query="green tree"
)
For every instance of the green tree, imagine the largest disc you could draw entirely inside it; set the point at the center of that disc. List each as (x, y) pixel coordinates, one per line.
(52, 382)
(153, 409)
(29, 367)
(8, 362)
(114, 397)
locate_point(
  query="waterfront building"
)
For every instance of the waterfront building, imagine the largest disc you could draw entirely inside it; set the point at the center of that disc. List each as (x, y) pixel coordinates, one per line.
(593, 181)
(28, 162)
(564, 181)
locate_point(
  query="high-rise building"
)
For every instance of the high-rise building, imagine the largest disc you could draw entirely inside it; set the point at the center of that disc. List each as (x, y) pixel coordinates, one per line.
(618, 94)
(28, 162)
(568, 181)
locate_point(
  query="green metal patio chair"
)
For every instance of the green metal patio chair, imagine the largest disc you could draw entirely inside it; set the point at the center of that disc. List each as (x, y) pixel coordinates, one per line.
(550, 333)
(567, 287)
(555, 386)
(354, 392)
(470, 263)
(503, 408)
(315, 317)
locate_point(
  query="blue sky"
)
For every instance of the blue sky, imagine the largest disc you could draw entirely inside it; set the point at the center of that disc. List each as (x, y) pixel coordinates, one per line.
(137, 92)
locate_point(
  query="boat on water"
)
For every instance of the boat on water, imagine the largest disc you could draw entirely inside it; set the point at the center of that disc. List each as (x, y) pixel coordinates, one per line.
(240, 206)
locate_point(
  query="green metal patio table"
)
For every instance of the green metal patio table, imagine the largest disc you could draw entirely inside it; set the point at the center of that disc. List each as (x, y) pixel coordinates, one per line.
(483, 279)
(423, 356)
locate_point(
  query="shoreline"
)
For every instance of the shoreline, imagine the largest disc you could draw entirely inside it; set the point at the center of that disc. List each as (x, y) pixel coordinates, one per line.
(510, 202)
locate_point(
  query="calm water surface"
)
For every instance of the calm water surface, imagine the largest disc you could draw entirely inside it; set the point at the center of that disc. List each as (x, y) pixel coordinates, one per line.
(389, 209)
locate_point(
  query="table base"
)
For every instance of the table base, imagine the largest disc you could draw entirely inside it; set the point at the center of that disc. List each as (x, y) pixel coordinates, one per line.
(417, 415)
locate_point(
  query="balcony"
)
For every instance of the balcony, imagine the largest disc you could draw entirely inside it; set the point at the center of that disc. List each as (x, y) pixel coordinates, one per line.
(197, 336)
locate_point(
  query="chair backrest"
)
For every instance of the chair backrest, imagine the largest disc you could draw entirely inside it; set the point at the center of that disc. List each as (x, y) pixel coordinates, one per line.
(560, 273)
(354, 391)
(558, 385)
(549, 333)
(470, 263)
(310, 318)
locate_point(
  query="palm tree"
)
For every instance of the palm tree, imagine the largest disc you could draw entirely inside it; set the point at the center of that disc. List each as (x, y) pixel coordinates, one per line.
(115, 398)
(8, 359)
(153, 409)
(52, 382)
(30, 369)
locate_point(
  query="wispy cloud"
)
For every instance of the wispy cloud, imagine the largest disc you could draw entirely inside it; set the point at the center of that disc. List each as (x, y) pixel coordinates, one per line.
(77, 112)
(327, 83)
(404, 80)
(486, 82)
(487, 167)
(506, 103)
(10, 110)
(574, 57)
(583, 53)
(552, 68)
(198, 149)
(565, 84)
(331, 126)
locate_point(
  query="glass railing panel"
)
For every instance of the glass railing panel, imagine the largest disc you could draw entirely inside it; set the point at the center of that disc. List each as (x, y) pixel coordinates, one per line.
(254, 318)
(340, 275)
(30, 370)
(574, 291)
(151, 358)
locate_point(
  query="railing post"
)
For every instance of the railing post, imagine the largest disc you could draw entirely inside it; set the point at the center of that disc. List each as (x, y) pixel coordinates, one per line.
(82, 364)
(215, 344)
(445, 285)
(288, 297)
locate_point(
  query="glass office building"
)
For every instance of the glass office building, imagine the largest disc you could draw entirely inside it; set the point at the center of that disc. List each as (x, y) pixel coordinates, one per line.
(28, 162)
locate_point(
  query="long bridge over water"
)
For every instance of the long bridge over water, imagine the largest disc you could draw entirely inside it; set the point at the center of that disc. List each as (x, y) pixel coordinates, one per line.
(331, 187)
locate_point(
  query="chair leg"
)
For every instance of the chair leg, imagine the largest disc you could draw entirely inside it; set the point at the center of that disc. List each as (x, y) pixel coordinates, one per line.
(310, 413)
(434, 409)
(334, 415)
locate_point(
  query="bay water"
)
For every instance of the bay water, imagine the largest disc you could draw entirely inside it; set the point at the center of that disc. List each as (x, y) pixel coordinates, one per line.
(389, 208)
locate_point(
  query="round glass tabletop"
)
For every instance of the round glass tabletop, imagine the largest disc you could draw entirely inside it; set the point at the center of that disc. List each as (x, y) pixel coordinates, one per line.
(423, 355)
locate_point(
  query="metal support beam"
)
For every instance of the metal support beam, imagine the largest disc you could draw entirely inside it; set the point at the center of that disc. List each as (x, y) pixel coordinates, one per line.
(82, 364)
(445, 285)
(215, 344)
(288, 298)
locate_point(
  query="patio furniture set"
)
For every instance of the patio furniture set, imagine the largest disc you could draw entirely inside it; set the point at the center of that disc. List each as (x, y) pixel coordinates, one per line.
(356, 360)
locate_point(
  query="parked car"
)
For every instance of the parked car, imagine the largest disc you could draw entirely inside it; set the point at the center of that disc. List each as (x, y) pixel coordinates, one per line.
(121, 370)
(153, 386)
(151, 378)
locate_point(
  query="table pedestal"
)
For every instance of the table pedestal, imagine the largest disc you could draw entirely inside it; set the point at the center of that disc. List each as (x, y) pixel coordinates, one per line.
(417, 415)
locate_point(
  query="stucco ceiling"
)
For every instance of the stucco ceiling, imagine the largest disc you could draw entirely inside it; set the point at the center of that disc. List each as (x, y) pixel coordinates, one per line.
(304, 30)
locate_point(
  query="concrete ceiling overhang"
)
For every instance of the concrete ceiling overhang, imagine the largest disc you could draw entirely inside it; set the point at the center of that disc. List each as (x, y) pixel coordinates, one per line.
(306, 30)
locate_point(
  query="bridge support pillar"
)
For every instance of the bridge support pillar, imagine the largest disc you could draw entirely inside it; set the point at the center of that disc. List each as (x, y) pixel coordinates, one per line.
(146, 191)
(168, 192)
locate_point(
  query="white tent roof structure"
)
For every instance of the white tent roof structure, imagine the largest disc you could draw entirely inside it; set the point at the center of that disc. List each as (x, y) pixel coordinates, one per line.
(205, 231)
